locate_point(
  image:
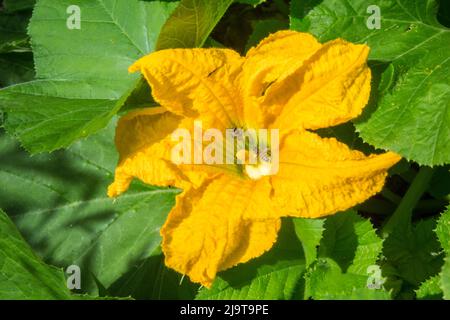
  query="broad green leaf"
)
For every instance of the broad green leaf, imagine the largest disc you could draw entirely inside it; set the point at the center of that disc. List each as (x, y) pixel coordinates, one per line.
(80, 70)
(351, 242)
(414, 253)
(152, 280)
(348, 249)
(327, 282)
(445, 279)
(18, 5)
(191, 23)
(430, 289)
(263, 28)
(270, 281)
(425, 261)
(310, 232)
(46, 114)
(23, 275)
(443, 231)
(59, 203)
(416, 108)
(112, 35)
(408, 28)
(16, 68)
(278, 274)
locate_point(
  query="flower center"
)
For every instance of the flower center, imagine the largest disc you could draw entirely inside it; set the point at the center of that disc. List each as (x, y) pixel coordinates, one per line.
(256, 164)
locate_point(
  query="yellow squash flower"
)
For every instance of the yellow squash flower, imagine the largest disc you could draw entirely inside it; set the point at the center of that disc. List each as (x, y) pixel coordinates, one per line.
(226, 215)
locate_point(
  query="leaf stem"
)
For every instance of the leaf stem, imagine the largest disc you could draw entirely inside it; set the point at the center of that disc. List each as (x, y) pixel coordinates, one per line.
(391, 196)
(403, 214)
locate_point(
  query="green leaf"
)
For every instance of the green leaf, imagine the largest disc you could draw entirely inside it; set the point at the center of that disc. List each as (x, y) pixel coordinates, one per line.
(23, 275)
(443, 231)
(59, 203)
(430, 289)
(327, 282)
(445, 279)
(106, 44)
(152, 280)
(191, 23)
(83, 77)
(416, 108)
(414, 252)
(408, 28)
(310, 232)
(433, 287)
(348, 248)
(276, 275)
(351, 241)
(46, 114)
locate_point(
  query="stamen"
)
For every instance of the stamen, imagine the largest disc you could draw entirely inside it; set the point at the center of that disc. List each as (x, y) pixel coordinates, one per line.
(255, 162)
(264, 155)
(243, 156)
(238, 133)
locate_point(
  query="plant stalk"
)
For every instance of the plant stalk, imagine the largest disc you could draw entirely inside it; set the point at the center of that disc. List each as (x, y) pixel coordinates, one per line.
(403, 214)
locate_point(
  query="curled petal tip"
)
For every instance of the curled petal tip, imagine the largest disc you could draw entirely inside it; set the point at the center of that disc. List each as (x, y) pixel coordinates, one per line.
(134, 67)
(119, 186)
(112, 191)
(391, 157)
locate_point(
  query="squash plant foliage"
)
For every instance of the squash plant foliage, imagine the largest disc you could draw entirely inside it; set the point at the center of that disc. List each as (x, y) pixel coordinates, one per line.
(70, 112)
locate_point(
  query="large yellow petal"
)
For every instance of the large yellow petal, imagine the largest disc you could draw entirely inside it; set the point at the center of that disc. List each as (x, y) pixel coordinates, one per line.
(272, 60)
(196, 83)
(332, 87)
(207, 231)
(144, 145)
(321, 176)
